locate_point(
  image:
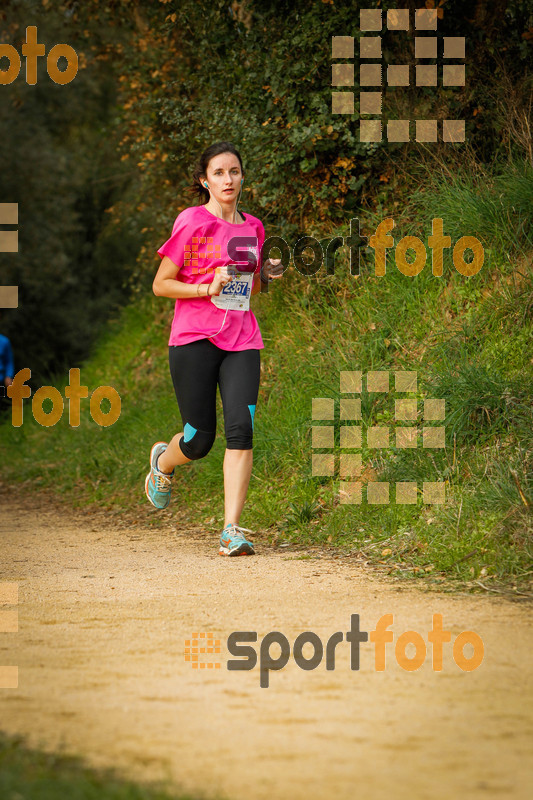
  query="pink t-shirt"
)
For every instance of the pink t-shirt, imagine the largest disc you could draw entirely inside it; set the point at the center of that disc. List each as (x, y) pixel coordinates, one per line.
(199, 244)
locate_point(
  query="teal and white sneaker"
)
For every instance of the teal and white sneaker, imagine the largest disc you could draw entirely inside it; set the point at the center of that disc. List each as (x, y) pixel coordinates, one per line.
(158, 485)
(234, 543)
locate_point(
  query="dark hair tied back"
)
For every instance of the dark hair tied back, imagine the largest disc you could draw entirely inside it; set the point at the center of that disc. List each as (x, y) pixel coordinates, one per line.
(200, 169)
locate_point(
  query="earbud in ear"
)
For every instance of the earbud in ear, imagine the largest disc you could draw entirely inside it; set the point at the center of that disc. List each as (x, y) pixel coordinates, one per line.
(205, 184)
(242, 180)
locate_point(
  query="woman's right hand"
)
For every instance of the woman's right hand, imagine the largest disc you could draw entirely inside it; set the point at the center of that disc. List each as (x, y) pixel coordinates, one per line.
(222, 277)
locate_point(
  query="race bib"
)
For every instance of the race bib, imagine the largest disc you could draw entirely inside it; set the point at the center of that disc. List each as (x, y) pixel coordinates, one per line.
(236, 294)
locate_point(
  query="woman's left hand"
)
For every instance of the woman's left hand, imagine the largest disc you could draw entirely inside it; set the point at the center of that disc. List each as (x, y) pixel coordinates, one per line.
(273, 268)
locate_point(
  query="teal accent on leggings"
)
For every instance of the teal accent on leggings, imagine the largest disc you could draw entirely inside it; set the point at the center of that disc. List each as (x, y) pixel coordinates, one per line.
(252, 412)
(189, 432)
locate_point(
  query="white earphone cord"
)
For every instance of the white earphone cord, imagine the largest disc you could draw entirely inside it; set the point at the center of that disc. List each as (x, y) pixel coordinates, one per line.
(223, 321)
(234, 215)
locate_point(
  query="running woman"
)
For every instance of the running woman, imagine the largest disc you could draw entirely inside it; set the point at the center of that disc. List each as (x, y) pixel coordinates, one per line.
(211, 265)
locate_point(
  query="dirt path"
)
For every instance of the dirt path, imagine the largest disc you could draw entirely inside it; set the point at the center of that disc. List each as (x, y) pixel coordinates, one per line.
(104, 612)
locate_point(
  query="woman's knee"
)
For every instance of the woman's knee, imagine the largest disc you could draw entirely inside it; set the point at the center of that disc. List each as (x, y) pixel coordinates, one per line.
(239, 427)
(195, 443)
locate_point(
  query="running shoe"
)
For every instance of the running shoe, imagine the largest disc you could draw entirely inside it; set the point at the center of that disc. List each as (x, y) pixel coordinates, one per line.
(158, 484)
(234, 543)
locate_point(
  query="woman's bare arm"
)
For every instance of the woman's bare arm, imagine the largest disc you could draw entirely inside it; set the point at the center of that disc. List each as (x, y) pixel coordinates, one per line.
(166, 284)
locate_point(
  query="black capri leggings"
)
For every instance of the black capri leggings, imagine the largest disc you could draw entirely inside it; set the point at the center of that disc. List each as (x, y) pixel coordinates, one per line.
(196, 368)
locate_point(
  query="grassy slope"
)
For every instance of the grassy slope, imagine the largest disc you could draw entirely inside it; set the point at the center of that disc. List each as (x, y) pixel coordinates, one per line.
(467, 338)
(28, 773)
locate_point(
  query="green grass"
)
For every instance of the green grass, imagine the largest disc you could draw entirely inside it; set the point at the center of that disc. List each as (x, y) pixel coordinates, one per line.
(35, 775)
(468, 339)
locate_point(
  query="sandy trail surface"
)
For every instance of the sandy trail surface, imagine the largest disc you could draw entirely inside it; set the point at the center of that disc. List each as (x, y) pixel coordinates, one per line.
(105, 609)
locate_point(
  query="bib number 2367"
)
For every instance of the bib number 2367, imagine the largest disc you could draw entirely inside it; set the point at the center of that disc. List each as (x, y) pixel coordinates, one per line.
(236, 294)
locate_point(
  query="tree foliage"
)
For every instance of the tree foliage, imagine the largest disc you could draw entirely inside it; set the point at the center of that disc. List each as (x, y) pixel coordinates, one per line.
(58, 162)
